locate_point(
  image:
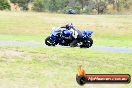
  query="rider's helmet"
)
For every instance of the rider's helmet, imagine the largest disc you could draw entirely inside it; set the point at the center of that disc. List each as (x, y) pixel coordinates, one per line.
(69, 26)
(66, 33)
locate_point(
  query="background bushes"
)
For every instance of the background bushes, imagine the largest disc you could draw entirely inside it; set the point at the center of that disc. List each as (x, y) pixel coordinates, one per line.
(4, 5)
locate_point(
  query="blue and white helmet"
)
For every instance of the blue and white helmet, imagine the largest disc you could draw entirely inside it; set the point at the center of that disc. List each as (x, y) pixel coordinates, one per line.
(69, 25)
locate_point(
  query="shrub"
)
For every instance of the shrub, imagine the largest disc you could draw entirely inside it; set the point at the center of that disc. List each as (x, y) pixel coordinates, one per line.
(4, 5)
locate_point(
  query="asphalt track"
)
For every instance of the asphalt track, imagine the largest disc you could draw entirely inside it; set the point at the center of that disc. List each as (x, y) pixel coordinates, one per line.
(33, 43)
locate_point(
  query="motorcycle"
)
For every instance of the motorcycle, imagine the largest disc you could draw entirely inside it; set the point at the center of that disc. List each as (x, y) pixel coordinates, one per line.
(56, 38)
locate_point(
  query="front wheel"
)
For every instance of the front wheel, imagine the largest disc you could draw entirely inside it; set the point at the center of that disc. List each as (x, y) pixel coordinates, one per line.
(48, 42)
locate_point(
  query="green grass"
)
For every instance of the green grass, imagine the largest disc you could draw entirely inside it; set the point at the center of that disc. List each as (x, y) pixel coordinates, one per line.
(109, 30)
(38, 38)
(45, 67)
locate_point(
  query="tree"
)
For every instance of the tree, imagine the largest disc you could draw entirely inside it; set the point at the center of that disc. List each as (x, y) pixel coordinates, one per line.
(53, 5)
(82, 2)
(4, 5)
(22, 3)
(100, 6)
(83, 6)
(39, 5)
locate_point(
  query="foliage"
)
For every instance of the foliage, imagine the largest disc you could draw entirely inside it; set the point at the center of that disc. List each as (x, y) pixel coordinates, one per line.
(39, 5)
(76, 7)
(81, 6)
(100, 7)
(4, 5)
(22, 3)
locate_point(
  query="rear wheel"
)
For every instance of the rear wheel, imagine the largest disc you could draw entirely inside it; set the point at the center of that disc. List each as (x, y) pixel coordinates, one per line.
(87, 43)
(48, 42)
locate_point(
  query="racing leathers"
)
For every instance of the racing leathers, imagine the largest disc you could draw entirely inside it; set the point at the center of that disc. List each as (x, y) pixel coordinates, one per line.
(76, 34)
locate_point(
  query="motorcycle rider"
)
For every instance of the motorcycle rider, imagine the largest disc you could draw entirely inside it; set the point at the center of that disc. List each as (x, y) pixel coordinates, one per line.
(76, 34)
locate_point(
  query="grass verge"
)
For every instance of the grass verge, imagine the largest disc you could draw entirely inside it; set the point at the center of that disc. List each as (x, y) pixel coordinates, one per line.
(44, 67)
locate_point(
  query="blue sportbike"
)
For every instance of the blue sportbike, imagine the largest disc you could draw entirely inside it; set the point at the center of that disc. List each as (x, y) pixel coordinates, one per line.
(57, 38)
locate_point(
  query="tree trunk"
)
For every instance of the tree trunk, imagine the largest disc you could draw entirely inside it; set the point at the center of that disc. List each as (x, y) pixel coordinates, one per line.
(118, 5)
(82, 4)
(97, 2)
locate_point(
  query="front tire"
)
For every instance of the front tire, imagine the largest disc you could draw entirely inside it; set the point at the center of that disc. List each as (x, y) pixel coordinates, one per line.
(48, 42)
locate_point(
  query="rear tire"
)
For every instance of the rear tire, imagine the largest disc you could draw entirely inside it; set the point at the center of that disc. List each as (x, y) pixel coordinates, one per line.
(87, 43)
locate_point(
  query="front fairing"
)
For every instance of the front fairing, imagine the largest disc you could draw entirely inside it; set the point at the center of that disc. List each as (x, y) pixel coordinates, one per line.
(86, 33)
(55, 38)
(55, 32)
